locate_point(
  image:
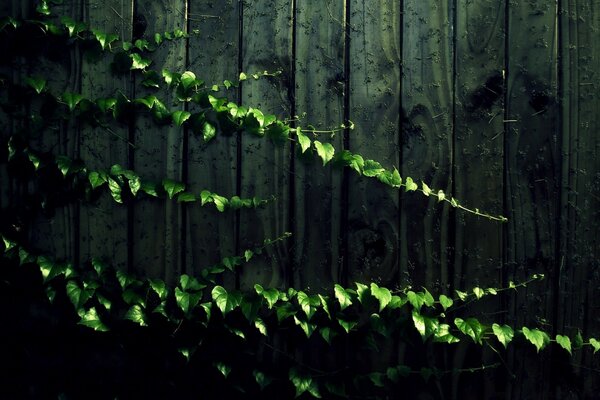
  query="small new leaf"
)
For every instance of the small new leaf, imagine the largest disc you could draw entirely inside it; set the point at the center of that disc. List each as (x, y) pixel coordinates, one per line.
(303, 140)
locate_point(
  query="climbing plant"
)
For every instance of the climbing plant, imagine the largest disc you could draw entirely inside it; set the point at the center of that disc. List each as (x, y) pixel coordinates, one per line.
(226, 336)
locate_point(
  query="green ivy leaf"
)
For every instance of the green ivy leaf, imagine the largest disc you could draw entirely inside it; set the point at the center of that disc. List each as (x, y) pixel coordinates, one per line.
(135, 184)
(342, 296)
(36, 83)
(104, 39)
(426, 326)
(346, 324)
(325, 151)
(306, 326)
(372, 168)
(284, 311)
(377, 378)
(115, 190)
(97, 178)
(303, 140)
(415, 299)
(150, 188)
(223, 368)
(220, 202)
(383, 295)
(185, 197)
(303, 384)
(446, 302)
(270, 295)
(537, 337)
(470, 327)
(425, 188)
(190, 283)
(261, 326)
(443, 335)
(595, 344)
(49, 269)
(138, 62)
(578, 341)
(461, 295)
(180, 116)
(564, 342)
(137, 315)
(308, 303)
(160, 288)
(172, 187)
(224, 300)
(71, 99)
(78, 296)
(504, 333)
(91, 319)
(186, 301)
(208, 131)
(441, 195)
(261, 379)
(410, 185)
(478, 292)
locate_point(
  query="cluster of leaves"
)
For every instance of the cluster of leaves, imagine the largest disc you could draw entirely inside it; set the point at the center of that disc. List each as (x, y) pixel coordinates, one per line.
(104, 297)
(122, 183)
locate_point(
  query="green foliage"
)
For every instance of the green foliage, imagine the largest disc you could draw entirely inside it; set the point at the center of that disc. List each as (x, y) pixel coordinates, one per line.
(105, 298)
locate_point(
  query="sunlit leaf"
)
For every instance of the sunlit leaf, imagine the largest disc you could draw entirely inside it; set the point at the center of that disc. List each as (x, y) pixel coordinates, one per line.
(91, 319)
(470, 327)
(538, 338)
(564, 342)
(504, 333)
(383, 295)
(325, 151)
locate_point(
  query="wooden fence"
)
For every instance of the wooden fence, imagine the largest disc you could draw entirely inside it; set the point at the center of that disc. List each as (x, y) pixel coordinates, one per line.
(494, 101)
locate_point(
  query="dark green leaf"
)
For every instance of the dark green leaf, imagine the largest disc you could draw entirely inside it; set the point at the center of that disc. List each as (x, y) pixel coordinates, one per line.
(271, 295)
(186, 197)
(346, 324)
(92, 320)
(180, 116)
(38, 84)
(137, 315)
(115, 190)
(172, 187)
(160, 288)
(138, 62)
(97, 178)
(372, 168)
(49, 269)
(71, 100)
(186, 301)
(208, 131)
(261, 379)
(78, 296)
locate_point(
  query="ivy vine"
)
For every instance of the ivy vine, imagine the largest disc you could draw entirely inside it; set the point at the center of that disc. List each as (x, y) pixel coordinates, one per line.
(106, 298)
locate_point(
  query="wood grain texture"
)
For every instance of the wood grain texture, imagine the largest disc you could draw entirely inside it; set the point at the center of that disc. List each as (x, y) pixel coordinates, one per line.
(478, 162)
(58, 234)
(374, 103)
(157, 223)
(213, 56)
(580, 278)
(320, 100)
(266, 46)
(103, 224)
(427, 127)
(532, 161)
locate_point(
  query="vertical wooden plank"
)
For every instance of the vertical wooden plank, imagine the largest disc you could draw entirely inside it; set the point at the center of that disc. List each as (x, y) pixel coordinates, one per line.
(6, 72)
(427, 126)
(374, 104)
(213, 56)
(157, 225)
(103, 232)
(580, 204)
(532, 176)
(58, 234)
(478, 158)
(266, 45)
(320, 98)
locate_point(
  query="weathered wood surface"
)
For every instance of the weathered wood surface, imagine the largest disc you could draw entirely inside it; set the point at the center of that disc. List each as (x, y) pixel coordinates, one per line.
(265, 167)
(532, 171)
(157, 229)
(213, 56)
(319, 96)
(104, 226)
(493, 101)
